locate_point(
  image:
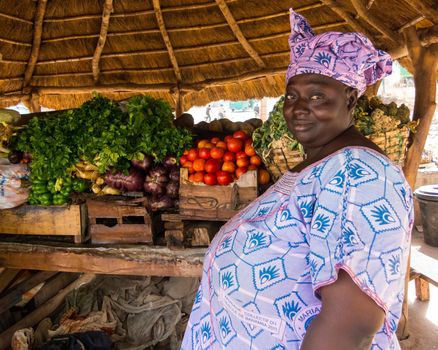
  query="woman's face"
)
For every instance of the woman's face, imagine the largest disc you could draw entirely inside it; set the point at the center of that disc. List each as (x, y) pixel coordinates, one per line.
(318, 108)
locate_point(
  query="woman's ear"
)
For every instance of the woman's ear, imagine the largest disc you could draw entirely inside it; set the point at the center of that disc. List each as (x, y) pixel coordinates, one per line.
(352, 97)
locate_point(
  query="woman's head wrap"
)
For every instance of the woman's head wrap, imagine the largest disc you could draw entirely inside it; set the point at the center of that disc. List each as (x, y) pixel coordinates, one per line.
(349, 58)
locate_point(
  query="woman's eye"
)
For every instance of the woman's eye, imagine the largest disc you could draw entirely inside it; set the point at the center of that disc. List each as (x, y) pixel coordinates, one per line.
(316, 97)
(289, 97)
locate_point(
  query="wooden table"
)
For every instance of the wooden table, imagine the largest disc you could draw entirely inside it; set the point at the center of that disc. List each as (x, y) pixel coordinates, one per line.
(424, 266)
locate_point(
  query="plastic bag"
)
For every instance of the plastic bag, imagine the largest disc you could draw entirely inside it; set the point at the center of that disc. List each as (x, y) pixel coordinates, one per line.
(13, 188)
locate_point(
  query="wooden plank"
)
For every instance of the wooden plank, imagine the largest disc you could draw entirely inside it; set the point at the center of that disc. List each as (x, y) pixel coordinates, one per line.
(174, 239)
(52, 286)
(6, 277)
(422, 289)
(45, 310)
(11, 297)
(39, 220)
(131, 260)
(127, 233)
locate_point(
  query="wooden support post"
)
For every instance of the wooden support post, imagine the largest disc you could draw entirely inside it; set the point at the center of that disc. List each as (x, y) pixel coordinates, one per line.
(424, 61)
(45, 310)
(35, 106)
(178, 103)
(422, 289)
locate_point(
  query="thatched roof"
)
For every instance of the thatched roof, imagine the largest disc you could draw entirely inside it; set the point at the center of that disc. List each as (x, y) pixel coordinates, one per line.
(194, 51)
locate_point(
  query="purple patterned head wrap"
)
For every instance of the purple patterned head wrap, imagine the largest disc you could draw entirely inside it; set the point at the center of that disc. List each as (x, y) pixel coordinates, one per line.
(349, 58)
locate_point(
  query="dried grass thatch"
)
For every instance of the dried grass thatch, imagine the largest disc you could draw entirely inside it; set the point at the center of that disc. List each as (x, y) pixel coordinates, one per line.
(202, 50)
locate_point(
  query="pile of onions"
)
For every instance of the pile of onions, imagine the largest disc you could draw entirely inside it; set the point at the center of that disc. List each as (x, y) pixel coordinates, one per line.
(159, 181)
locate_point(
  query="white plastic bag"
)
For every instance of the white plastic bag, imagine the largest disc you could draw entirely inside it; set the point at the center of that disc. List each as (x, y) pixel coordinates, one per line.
(13, 188)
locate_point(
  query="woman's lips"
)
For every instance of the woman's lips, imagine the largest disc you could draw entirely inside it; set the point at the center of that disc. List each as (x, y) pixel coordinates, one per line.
(301, 126)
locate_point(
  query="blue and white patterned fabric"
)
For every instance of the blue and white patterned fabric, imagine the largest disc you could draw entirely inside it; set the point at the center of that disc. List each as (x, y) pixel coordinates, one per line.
(352, 211)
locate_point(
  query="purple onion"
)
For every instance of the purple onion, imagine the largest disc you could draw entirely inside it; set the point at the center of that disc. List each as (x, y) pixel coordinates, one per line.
(132, 182)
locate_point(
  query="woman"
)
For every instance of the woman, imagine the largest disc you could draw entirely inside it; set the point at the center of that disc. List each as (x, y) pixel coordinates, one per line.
(317, 261)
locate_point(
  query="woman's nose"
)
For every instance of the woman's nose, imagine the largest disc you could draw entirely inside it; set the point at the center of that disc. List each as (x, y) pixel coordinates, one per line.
(300, 105)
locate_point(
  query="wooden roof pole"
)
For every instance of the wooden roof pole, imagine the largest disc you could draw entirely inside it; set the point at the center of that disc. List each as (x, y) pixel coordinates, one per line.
(430, 13)
(36, 43)
(165, 35)
(335, 7)
(380, 26)
(107, 9)
(428, 36)
(238, 33)
(41, 90)
(160, 20)
(369, 4)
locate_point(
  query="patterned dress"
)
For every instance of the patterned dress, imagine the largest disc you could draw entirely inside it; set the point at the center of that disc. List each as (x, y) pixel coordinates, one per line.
(352, 210)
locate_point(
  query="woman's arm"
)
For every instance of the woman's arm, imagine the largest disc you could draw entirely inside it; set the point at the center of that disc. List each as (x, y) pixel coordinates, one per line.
(348, 320)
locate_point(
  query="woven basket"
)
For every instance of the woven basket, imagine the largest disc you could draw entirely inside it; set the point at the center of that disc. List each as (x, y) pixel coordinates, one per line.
(393, 143)
(281, 158)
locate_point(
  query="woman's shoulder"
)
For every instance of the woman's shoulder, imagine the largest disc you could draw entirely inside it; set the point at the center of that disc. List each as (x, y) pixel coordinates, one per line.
(356, 162)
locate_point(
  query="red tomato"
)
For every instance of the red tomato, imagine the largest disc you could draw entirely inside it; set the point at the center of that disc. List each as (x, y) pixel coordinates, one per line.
(241, 162)
(183, 160)
(198, 164)
(241, 134)
(241, 170)
(215, 140)
(191, 177)
(208, 145)
(221, 144)
(229, 157)
(252, 167)
(263, 177)
(193, 154)
(186, 152)
(227, 138)
(198, 176)
(248, 141)
(234, 145)
(202, 143)
(204, 153)
(217, 153)
(241, 154)
(212, 166)
(224, 178)
(210, 179)
(255, 160)
(229, 167)
(188, 164)
(250, 151)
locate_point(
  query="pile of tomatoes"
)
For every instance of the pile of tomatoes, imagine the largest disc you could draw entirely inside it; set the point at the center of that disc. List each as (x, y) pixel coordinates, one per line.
(220, 162)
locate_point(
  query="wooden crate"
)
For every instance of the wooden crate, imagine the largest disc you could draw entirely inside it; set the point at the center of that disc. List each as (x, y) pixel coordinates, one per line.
(40, 220)
(119, 221)
(216, 202)
(187, 231)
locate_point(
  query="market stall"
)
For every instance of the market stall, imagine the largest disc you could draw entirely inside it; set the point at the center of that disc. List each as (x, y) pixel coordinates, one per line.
(185, 53)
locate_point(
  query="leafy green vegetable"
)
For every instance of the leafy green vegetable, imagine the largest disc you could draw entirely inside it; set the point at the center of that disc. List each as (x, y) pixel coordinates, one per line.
(101, 133)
